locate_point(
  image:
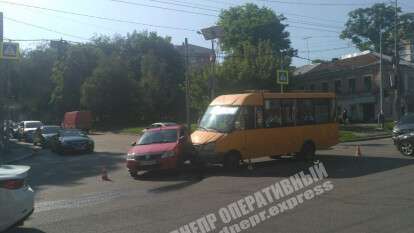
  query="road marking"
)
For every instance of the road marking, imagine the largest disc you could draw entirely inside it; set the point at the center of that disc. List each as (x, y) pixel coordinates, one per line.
(87, 200)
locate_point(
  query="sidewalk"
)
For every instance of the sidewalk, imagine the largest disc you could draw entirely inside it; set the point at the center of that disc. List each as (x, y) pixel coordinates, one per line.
(17, 152)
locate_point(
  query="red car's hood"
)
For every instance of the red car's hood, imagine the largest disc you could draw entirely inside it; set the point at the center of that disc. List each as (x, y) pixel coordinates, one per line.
(152, 148)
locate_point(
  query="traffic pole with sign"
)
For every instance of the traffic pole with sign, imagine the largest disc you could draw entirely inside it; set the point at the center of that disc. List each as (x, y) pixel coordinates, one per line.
(9, 50)
(282, 78)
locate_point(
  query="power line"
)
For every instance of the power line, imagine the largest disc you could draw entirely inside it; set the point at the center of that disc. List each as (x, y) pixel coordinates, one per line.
(314, 29)
(324, 50)
(29, 40)
(97, 17)
(184, 4)
(46, 29)
(313, 24)
(133, 22)
(218, 9)
(162, 8)
(314, 3)
(192, 3)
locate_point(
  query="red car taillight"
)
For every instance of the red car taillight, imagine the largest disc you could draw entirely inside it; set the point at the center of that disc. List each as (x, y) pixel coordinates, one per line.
(12, 184)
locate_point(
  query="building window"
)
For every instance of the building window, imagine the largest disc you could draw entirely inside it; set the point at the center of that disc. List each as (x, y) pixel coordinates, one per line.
(325, 87)
(351, 85)
(338, 85)
(367, 83)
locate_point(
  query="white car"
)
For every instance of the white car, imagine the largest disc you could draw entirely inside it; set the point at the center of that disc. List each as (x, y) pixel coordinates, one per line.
(16, 197)
(27, 129)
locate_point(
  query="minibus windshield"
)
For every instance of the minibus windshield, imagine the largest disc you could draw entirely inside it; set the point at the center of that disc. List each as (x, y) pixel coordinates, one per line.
(219, 118)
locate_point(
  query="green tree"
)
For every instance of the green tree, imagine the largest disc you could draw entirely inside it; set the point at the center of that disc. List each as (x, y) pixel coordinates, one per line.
(364, 24)
(253, 25)
(69, 73)
(32, 85)
(111, 93)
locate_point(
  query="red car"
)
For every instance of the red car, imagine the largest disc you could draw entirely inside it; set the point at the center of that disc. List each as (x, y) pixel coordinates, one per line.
(164, 147)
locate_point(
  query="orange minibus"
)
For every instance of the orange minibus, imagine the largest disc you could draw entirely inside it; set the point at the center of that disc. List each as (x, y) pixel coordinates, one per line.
(252, 125)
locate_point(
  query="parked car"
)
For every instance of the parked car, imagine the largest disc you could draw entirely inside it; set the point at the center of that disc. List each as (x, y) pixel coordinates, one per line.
(81, 120)
(43, 136)
(16, 197)
(164, 147)
(71, 140)
(403, 126)
(162, 124)
(405, 143)
(27, 128)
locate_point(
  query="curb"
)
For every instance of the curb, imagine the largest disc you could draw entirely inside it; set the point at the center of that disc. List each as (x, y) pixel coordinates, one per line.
(368, 139)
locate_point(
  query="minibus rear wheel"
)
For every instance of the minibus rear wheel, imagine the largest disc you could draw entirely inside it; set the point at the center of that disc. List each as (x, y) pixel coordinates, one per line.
(232, 161)
(308, 151)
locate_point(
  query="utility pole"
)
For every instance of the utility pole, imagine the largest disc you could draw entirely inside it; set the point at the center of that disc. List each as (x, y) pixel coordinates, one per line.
(187, 87)
(381, 82)
(307, 47)
(381, 110)
(212, 77)
(397, 78)
(281, 68)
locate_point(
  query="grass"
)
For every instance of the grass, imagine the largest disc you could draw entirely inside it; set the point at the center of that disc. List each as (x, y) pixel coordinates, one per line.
(345, 135)
(132, 130)
(389, 125)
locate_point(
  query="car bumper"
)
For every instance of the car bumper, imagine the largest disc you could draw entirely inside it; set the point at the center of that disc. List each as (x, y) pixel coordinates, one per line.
(73, 148)
(147, 165)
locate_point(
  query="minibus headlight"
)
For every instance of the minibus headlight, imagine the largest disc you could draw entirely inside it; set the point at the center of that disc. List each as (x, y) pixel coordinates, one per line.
(210, 147)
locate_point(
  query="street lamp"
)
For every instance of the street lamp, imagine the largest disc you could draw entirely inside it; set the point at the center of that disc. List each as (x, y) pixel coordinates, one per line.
(212, 33)
(381, 110)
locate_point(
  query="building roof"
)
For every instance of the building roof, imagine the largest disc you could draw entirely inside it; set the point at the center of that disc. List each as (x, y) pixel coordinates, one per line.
(305, 69)
(350, 62)
(193, 49)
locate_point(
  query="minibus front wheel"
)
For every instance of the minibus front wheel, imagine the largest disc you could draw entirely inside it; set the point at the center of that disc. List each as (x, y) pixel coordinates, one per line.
(232, 161)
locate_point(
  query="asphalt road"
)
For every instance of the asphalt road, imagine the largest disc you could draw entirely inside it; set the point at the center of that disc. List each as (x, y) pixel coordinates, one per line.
(374, 193)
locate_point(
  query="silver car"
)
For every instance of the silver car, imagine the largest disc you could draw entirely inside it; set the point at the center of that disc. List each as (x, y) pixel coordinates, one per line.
(404, 126)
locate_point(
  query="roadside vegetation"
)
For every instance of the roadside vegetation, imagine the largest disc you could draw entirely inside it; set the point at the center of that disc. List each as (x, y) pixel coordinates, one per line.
(138, 78)
(353, 132)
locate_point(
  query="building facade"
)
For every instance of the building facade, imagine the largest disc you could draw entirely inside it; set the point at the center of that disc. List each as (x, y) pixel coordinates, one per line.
(198, 56)
(356, 81)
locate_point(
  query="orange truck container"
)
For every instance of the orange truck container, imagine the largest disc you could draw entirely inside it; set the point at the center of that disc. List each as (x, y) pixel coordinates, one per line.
(78, 120)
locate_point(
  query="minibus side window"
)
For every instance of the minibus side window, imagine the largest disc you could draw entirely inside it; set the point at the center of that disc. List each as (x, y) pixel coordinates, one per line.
(272, 114)
(322, 111)
(305, 114)
(288, 112)
(245, 119)
(259, 117)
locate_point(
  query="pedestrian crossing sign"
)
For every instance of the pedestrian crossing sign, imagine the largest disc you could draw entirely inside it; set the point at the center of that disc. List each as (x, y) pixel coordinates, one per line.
(9, 50)
(283, 77)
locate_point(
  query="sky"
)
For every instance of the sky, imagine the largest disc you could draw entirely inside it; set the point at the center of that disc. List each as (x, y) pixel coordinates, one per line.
(312, 23)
